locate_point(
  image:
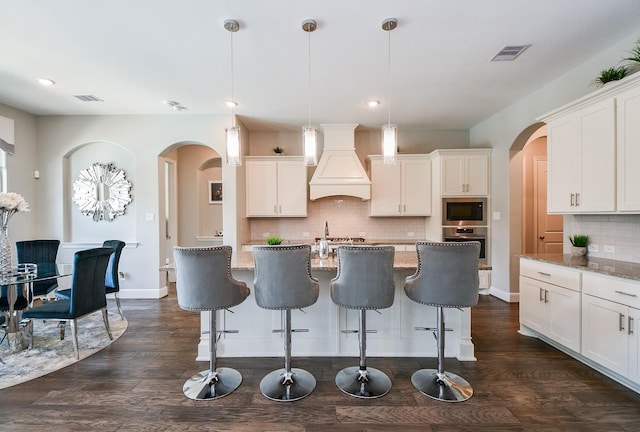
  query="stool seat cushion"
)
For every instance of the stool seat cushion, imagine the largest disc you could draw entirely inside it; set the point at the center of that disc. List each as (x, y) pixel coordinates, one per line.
(365, 277)
(447, 274)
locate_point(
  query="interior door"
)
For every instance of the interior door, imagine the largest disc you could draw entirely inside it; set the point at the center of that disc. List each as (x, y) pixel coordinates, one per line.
(548, 227)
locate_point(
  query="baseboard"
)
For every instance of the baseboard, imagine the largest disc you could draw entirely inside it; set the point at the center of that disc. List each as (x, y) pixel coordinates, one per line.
(509, 297)
(144, 293)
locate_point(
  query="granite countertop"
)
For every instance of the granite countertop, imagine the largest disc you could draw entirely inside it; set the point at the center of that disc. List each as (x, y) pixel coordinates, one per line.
(622, 269)
(371, 242)
(403, 261)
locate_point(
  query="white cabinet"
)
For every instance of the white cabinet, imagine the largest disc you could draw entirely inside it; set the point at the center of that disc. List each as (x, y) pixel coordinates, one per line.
(400, 189)
(628, 150)
(276, 186)
(550, 302)
(464, 172)
(581, 167)
(610, 313)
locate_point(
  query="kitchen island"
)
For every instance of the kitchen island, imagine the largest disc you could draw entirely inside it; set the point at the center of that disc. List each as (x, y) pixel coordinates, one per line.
(395, 334)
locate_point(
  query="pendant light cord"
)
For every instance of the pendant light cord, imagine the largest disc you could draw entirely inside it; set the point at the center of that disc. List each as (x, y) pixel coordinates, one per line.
(233, 101)
(309, 75)
(389, 78)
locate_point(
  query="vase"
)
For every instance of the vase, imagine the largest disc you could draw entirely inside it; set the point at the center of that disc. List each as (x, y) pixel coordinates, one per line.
(578, 250)
(5, 251)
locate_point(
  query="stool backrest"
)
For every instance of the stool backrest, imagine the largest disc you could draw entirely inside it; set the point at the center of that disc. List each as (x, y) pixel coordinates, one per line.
(365, 277)
(447, 274)
(283, 277)
(203, 278)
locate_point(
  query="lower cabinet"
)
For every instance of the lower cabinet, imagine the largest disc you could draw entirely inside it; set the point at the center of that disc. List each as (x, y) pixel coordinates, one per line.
(610, 330)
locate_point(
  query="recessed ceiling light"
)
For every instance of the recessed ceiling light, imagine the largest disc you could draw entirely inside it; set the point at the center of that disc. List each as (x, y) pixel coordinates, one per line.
(231, 104)
(47, 82)
(373, 103)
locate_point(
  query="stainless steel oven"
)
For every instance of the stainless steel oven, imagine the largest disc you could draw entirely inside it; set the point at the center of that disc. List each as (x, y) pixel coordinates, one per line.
(464, 234)
(464, 211)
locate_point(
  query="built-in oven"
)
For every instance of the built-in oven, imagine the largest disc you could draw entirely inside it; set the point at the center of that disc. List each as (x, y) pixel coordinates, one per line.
(465, 234)
(464, 211)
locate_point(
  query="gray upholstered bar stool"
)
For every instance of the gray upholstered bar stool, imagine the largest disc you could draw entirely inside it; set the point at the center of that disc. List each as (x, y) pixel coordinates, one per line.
(447, 277)
(283, 281)
(204, 283)
(364, 281)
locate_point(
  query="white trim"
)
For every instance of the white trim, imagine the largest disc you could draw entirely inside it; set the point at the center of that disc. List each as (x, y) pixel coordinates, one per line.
(509, 297)
(144, 293)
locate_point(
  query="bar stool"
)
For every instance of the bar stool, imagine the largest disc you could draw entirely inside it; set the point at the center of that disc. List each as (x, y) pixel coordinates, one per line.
(204, 283)
(447, 277)
(283, 281)
(364, 281)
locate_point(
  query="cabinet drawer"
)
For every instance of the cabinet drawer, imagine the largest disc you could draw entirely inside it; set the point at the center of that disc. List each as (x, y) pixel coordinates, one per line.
(556, 275)
(612, 289)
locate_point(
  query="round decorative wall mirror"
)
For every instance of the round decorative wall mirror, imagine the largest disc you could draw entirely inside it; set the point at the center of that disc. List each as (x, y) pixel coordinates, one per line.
(102, 192)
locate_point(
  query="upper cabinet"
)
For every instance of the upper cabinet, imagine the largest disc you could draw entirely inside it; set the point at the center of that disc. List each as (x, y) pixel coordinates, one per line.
(581, 160)
(276, 186)
(400, 189)
(463, 172)
(593, 151)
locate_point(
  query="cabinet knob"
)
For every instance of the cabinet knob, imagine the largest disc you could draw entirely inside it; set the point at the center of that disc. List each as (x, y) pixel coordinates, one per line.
(541, 237)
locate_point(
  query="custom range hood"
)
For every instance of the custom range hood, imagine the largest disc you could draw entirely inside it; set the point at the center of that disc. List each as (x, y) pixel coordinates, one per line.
(339, 170)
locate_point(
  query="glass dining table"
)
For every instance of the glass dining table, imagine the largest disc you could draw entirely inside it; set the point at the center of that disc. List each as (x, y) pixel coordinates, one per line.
(18, 286)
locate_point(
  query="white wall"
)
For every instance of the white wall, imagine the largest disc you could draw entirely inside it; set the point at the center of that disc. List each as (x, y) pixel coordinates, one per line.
(501, 130)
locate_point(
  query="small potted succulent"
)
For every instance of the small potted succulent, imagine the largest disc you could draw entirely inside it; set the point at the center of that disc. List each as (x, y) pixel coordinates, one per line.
(274, 240)
(278, 150)
(611, 74)
(579, 244)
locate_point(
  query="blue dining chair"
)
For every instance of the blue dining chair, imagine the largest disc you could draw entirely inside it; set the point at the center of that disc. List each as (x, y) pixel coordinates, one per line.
(111, 280)
(39, 252)
(87, 294)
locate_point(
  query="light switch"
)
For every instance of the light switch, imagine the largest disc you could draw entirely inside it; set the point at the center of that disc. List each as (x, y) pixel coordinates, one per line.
(150, 217)
(496, 215)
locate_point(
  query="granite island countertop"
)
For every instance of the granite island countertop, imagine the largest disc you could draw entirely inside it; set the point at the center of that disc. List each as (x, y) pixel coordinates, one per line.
(622, 269)
(402, 261)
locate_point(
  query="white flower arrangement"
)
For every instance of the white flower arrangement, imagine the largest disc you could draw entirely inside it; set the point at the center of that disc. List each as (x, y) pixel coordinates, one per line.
(10, 203)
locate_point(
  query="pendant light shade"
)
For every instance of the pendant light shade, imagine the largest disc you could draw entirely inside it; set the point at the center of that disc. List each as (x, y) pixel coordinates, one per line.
(389, 131)
(309, 132)
(232, 134)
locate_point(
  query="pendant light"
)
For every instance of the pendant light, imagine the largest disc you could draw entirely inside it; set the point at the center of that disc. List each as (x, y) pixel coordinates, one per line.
(232, 134)
(389, 131)
(309, 132)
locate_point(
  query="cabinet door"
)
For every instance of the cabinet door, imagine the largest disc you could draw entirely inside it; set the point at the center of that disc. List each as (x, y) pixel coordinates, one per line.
(533, 312)
(628, 150)
(563, 167)
(604, 338)
(261, 188)
(477, 167)
(385, 189)
(292, 188)
(563, 316)
(633, 329)
(416, 187)
(597, 138)
(453, 175)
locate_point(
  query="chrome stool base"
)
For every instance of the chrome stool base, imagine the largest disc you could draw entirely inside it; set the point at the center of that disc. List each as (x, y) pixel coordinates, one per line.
(278, 387)
(446, 387)
(207, 385)
(369, 384)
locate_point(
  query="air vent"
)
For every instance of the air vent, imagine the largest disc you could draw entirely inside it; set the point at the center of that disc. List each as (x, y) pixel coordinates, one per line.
(509, 53)
(88, 98)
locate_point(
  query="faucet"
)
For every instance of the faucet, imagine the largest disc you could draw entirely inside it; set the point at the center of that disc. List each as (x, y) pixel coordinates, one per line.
(326, 229)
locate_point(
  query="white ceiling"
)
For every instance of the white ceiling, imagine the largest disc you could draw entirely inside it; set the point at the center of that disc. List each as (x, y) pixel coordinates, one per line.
(134, 54)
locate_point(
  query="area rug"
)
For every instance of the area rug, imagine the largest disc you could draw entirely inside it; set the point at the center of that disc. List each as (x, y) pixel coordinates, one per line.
(49, 353)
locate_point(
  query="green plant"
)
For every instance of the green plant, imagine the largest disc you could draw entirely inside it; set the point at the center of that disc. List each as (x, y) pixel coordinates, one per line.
(611, 74)
(635, 53)
(278, 149)
(274, 240)
(579, 240)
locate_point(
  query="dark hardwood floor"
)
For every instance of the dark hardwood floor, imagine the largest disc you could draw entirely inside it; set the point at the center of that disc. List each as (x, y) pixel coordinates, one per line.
(521, 384)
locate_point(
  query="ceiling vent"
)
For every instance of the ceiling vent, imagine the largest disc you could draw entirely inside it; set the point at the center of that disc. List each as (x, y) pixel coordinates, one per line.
(510, 52)
(88, 98)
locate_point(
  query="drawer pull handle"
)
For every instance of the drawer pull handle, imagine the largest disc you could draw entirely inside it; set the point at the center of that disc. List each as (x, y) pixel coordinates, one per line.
(621, 322)
(630, 326)
(544, 274)
(546, 296)
(627, 294)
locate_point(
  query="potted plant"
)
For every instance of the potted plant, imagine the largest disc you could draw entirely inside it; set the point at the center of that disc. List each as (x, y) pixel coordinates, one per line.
(278, 150)
(274, 240)
(579, 244)
(611, 74)
(634, 57)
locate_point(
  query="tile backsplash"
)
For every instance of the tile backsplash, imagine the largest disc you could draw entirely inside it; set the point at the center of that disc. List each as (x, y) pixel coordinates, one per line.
(620, 231)
(347, 217)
